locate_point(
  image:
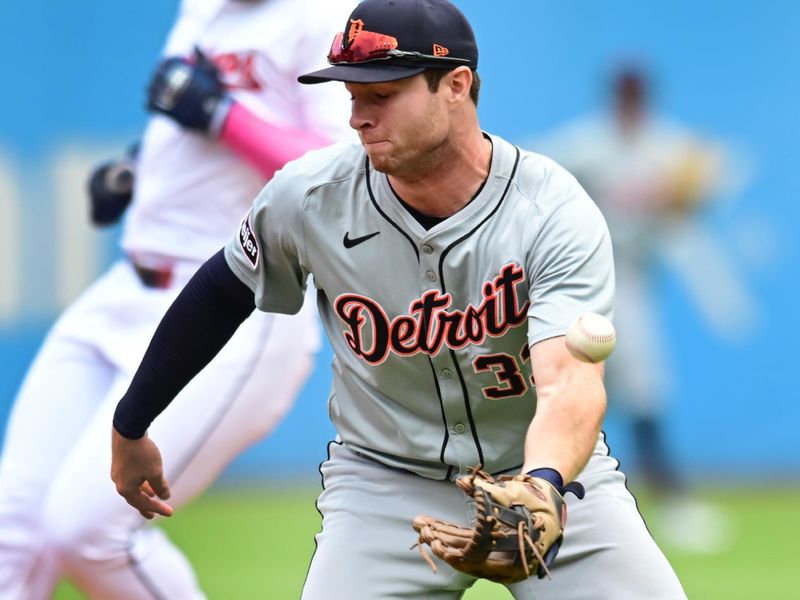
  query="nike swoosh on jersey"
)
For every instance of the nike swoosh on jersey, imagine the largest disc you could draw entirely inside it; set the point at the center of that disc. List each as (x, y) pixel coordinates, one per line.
(350, 242)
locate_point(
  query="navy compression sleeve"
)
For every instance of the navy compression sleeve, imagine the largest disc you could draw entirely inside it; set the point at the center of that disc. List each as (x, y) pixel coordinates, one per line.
(201, 320)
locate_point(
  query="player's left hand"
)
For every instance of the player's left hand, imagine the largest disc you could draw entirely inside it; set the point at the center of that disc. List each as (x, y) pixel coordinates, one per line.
(138, 473)
(190, 93)
(517, 530)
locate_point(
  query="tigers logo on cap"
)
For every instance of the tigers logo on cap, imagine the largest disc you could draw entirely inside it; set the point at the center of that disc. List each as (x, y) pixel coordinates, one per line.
(356, 26)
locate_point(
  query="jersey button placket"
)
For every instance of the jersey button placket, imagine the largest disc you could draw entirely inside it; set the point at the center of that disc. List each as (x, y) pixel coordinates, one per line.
(428, 267)
(460, 448)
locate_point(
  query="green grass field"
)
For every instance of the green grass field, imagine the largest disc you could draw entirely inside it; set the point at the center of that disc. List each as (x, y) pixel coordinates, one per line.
(248, 544)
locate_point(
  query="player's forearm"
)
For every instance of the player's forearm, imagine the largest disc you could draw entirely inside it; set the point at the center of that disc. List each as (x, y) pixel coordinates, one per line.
(199, 323)
(568, 418)
(265, 146)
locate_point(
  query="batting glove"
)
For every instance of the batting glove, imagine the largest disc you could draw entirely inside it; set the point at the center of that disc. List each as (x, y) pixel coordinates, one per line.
(191, 94)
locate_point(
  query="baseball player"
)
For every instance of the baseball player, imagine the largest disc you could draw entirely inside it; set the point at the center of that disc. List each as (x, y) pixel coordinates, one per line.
(447, 265)
(649, 176)
(229, 113)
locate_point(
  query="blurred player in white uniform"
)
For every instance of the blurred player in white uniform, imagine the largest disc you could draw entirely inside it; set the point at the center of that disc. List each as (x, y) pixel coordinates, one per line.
(231, 114)
(650, 177)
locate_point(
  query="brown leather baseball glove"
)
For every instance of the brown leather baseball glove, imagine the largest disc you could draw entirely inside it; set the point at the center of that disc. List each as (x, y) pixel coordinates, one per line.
(517, 529)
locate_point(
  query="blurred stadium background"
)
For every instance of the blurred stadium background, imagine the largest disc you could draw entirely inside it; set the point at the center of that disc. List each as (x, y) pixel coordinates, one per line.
(74, 78)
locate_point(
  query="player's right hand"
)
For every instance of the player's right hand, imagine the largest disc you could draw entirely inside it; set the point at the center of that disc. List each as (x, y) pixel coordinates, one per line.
(190, 93)
(110, 191)
(138, 474)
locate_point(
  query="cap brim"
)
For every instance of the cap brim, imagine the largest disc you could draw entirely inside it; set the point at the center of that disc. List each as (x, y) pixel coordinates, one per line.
(363, 73)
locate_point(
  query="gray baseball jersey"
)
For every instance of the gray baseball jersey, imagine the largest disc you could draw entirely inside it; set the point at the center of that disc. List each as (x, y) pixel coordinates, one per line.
(431, 328)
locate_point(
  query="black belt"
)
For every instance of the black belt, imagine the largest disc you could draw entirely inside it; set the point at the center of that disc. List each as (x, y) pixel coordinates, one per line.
(153, 278)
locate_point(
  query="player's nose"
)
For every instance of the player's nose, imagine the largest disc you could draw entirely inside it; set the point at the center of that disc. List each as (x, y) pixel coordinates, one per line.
(360, 116)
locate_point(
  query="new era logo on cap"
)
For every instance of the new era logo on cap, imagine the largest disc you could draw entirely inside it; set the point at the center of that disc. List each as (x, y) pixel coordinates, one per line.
(440, 50)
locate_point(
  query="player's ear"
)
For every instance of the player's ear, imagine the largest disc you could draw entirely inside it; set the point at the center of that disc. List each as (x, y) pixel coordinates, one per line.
(459, 81)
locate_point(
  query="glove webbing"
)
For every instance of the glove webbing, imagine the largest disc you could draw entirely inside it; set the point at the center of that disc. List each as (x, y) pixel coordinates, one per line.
(519, 518)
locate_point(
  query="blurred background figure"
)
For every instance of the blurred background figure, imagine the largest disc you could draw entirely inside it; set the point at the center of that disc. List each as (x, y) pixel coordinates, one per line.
(652, 177)
(229, 113)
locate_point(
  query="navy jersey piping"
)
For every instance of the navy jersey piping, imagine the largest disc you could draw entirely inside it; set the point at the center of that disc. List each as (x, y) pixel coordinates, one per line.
(446, 438)
(383, 214)
(463, 382)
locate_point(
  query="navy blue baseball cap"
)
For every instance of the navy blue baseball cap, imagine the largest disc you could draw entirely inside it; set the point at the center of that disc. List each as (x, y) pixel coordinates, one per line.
(385, 40)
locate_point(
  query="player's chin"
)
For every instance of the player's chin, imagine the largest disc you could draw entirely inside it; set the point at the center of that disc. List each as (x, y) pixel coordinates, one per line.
(381, 160)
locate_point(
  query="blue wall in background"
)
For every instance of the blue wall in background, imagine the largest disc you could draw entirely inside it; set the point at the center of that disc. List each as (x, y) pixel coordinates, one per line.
(74, 77)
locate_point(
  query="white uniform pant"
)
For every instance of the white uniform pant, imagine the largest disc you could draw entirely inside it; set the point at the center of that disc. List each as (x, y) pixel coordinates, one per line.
(59, 512)
(363, 551)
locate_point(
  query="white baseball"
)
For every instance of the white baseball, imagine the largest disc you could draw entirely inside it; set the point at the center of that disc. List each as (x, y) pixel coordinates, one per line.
(591, 338)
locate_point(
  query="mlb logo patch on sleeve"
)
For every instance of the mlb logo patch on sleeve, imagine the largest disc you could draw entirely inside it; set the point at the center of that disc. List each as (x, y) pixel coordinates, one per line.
(248, 241)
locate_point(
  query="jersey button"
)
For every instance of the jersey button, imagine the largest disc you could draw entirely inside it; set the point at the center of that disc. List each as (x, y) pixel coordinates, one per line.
(430, 275)
(427, 249)
(459, 428)
(447, 373)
